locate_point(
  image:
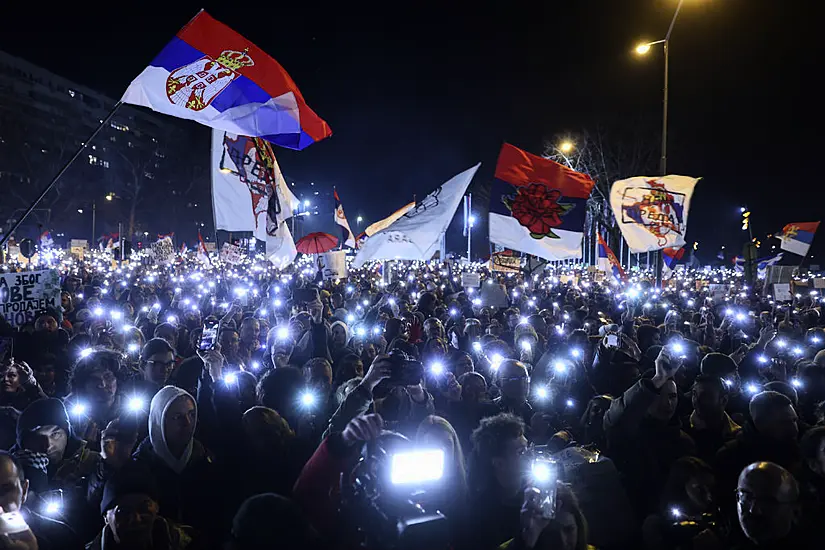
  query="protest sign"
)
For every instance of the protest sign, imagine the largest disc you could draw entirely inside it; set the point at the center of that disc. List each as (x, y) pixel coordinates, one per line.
(505, 264)
(819, 282)
(470, 280)
(163, 250)
(23, 296)
(333, 264)
(231, 254)
(718, 292)
(782, 292)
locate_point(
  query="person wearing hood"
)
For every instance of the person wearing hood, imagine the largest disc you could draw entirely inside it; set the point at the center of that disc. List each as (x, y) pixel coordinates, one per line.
(338, 338)
(54, 458)
(644, 435)
(183, 468)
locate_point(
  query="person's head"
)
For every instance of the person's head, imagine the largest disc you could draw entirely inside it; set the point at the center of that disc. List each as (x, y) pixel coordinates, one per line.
(265, 518)
(514, 380)
(44, 427)
(265, 431)
(664, 406)
(594, 414)
(318, 374)
(568, 529)
(173, 417)
(280, 342)
(767, 502)
(14, 487)
(773, 416)
(250, 331)
(433, 329)
(498, 452)
(339, 334)
(11, 378)
(689, 487)
(473, 387)
(348, 367)
(462, 363)
(45, 323)
(812, 446)
(230, 341)
(94, 377)
(647, 336)
(157, 360)
(279, 389)
(130, 507)
(168, 332)
(709, 397)
(721, 366)
(435, 432)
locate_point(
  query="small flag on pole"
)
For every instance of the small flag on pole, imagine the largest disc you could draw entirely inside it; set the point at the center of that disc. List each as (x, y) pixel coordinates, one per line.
(797, 237)
(211, 74)
(346, 233)
(608, 261)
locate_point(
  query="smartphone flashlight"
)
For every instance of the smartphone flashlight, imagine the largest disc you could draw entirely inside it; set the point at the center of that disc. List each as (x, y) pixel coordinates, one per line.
(437, 368)
(135, 404)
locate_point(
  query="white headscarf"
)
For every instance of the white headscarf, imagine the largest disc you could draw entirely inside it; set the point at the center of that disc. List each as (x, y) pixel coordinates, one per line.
(157, 413)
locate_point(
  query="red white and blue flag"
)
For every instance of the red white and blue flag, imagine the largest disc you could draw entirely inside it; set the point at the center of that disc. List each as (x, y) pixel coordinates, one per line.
(537, 206)
(347, 237)
(211, 74)
(671, 256)
(797, 237)
(608, 261)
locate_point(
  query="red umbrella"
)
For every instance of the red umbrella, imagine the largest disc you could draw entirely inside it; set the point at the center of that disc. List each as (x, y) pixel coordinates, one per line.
(316, 243)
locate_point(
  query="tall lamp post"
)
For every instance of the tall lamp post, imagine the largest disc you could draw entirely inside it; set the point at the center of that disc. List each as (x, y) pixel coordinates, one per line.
(643, 49)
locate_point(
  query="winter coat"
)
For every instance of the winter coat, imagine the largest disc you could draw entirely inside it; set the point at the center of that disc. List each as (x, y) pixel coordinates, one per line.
(709, 440)
(642, 448)
(166, 535)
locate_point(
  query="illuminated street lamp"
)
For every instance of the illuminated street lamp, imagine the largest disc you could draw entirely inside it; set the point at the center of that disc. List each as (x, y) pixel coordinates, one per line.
(566, 147)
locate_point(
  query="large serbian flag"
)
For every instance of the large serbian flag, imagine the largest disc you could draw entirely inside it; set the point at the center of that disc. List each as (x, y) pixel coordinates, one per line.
(608, 261)
(797, 237)
(213, 75)
(537, 206)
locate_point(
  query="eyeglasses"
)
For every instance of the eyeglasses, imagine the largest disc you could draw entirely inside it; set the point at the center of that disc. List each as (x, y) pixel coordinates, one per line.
(164, 364)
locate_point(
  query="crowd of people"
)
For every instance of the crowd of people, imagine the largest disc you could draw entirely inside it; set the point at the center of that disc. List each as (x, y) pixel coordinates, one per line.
(193, 406)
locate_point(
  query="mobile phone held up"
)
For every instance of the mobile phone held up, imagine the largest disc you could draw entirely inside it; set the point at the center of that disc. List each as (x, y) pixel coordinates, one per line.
(611, 340)
(209, 337)
(544, 478)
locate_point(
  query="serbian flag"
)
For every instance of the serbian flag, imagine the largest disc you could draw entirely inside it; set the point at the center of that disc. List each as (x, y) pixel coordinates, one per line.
(608, 261)
(797, 237)
(46, 240)
(670, 256)
(347, 238)
(211, 74)
(202, 253)
(538, 206)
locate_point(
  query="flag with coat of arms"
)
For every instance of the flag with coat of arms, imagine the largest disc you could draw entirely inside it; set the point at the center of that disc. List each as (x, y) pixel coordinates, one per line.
(797, 237)
(608, 261)
(211, 74)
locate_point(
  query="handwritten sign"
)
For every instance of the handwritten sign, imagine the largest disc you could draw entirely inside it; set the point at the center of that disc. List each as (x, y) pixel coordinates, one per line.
(23, 296)
(163, 251)
(782, 292)
(333, 265)
(470, 280)
(231, 254)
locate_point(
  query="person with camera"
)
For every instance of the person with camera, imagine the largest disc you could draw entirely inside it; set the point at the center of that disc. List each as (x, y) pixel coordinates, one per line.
(565, 529)
(47, 533)
(644, 437)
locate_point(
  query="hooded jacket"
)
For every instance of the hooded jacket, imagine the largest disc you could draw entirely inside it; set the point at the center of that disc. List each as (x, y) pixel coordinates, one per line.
(186, 484)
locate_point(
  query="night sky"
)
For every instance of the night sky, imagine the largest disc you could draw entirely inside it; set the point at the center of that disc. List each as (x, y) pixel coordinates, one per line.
(417, 92)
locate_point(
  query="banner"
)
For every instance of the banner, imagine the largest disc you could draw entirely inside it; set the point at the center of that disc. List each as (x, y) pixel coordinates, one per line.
(163, 251)
(652, 212)
(538, 206)
(416, 235)
(24, 296)
(333, 264)
(470, 279)
(504, 263)
(249, 192)
(280, 247)
(231, 254)
(211, 74)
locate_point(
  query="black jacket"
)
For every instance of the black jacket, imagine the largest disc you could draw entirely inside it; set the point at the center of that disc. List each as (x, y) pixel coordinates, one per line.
(51, 534)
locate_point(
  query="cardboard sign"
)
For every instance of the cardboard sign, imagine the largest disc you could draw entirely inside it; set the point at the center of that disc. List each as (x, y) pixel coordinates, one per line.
(163, 251)
(819, 282)
(505, 264)
(79, 243)
(333, 265)
(470, 280)
(782, 292)
(210, 246)
(231, 254)
(23, 296)
(718, 292)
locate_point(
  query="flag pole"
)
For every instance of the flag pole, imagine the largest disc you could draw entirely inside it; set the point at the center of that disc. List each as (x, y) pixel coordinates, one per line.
(54, 181)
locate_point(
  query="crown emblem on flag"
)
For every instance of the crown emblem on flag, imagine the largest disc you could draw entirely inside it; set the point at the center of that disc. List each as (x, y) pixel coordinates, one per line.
(234, 60)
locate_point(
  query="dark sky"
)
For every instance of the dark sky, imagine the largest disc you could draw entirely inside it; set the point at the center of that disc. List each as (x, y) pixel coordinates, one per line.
(416, 92)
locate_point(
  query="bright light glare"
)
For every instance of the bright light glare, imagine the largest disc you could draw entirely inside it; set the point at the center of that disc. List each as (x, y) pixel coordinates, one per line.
(642, 49)
(135, 404)
(417, 467)
(477, 346)
(116, 315)
(678, 348)
(559, 367)
(79, 409)
(752, 388)
(796, 382)
(570, 403)
(98, 311)
(543, 472)
(230, 378)
(282, 333)
(675, 512)
(566, 147)
(526, 346)
(132, 348)
(52, 508)
(495, 360)
(85, 352)
(256, 365)
(437, 369)
(308, 399)
(541, 392)
(781, 343)
(576, 353)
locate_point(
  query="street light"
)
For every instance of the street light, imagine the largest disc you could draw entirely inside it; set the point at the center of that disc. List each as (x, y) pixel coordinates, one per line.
(306, 203)
(566, 147)
(643, 49)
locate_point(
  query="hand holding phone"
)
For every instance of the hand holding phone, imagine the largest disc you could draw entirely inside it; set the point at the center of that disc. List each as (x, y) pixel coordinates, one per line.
(209, 336)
